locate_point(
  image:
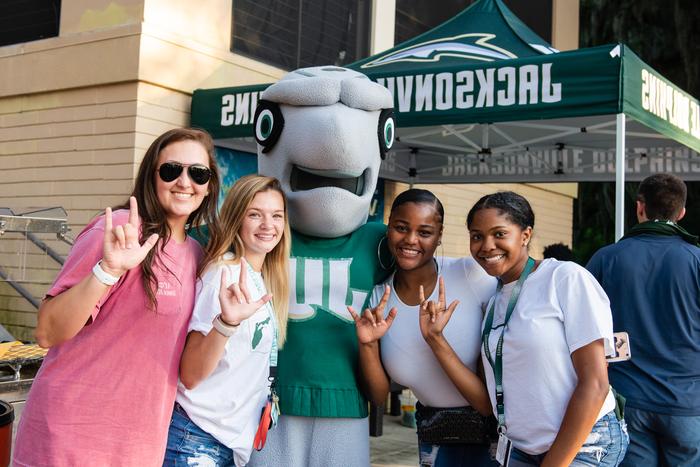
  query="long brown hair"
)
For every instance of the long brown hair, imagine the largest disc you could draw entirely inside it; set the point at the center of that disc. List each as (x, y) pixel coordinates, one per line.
(153, 217)
(275, 268)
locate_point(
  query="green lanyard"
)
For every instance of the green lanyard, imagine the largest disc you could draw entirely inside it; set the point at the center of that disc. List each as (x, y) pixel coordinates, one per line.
(273, 321)
(497, 366)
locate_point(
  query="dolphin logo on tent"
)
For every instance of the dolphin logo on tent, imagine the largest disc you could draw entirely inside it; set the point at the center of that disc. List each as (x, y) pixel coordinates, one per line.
(473, 45)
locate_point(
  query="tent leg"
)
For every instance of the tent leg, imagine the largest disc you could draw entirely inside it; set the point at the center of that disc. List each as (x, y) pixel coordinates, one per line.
(619, 176)
(412, 171)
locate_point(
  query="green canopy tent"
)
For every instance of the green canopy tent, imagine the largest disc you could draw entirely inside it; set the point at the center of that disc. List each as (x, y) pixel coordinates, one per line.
(481, 98)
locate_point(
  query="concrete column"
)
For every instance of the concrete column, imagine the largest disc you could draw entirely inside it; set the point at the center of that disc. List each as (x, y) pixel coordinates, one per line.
(565, 24)
(383, 24)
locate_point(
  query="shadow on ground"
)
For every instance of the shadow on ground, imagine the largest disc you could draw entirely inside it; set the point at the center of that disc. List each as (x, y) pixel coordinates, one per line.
(397, 447)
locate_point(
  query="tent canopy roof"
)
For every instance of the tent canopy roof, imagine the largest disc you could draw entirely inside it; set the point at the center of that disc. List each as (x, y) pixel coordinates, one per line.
(482, 98)
(484, 32)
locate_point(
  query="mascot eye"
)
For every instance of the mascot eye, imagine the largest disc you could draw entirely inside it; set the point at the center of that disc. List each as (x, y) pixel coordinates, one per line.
(268, 124)
(264, 127)
(386, 131)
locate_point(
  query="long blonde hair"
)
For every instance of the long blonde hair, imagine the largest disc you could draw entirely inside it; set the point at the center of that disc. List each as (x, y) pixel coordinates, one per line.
(275, 270)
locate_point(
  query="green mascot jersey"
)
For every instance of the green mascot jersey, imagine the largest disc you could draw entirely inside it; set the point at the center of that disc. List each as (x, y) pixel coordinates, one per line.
(318, 366)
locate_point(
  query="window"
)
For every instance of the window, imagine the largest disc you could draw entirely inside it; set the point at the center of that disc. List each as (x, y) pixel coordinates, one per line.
(28, 20)
(292, 34)
(414, 17)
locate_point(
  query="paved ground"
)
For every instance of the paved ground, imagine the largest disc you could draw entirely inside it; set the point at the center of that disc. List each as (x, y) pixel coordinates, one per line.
(397, 447)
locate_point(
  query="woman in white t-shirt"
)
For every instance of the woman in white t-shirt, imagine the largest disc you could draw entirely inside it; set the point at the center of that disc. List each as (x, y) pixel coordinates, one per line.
(237, 326)
(413, 350)
(554, 326)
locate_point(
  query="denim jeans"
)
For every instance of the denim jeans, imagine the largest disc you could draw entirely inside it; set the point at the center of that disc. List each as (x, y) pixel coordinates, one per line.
(189, 445)
(454, 455)
(605, 446)
(662, 440)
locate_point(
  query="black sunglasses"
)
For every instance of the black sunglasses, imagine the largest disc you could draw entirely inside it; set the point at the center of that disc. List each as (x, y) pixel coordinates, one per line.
(198, 173)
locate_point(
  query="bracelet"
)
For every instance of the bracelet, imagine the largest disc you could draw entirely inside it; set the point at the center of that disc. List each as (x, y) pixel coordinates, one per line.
(226, 330)
(102, 276)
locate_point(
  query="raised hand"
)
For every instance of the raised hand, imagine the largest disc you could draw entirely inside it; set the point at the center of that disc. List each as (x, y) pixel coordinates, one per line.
(433, 317)
(372, 325)
(121, 250)
(235, 301)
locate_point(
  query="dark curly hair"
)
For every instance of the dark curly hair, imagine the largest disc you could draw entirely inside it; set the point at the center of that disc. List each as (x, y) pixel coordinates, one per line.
(558, 251)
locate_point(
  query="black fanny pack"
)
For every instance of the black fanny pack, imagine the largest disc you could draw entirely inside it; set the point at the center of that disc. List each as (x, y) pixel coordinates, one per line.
(454, 425)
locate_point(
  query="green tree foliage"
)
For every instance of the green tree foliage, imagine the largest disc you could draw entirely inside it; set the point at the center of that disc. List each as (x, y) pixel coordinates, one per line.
(667, 36)
(663, 34)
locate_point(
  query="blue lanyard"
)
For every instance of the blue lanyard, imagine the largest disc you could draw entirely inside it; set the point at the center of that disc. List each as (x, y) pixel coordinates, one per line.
(497, 366)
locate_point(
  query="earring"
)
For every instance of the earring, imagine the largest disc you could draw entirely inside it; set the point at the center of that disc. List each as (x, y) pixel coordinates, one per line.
(385, 251)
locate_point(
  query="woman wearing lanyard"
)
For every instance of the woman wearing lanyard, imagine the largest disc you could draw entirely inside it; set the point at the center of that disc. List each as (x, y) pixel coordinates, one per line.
(227, 368)
(546, 333)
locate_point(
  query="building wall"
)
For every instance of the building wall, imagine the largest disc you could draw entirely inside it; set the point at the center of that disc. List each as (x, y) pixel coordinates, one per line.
(72, 148)
(78, 149)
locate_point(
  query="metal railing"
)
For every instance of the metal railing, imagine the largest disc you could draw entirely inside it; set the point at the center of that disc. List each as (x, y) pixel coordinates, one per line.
(52, 220)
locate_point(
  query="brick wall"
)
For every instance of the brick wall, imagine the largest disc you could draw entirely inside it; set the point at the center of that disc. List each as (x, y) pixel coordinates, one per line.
(78, 149)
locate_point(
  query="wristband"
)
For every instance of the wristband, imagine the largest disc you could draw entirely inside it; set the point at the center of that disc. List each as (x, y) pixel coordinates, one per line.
(226, 330)
(102, 276)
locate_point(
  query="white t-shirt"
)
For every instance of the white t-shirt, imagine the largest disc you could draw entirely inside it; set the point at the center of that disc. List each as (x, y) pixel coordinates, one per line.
(228, 403)
(406, 356)
(561, 308)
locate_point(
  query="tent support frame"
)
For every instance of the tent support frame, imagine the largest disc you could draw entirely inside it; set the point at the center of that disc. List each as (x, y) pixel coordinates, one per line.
(619, 176)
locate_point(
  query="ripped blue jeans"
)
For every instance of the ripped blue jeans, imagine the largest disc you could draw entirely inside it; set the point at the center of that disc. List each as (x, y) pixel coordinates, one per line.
(605, 446)
(189, 445)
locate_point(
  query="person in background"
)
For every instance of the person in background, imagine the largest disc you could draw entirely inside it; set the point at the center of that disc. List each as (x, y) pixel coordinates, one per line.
(545, 336)
(423, 354)
(652, 276)
(558, 251)
(238, 323)
(116, 318)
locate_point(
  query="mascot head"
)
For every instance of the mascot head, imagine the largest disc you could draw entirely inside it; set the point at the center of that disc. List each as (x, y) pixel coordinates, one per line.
(323, 132)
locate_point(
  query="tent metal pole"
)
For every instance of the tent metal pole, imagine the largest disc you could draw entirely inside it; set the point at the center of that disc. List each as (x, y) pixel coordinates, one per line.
(619, 176)
(451, 130)
(412, 169)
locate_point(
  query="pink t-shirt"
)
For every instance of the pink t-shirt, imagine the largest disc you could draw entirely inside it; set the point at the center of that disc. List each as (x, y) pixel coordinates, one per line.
(105, 396)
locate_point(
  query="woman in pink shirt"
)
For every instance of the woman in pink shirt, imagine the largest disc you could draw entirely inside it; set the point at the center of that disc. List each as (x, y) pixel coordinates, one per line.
(116, 318)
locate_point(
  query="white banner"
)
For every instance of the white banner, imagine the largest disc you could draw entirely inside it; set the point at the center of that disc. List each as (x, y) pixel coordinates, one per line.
(565, 165)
